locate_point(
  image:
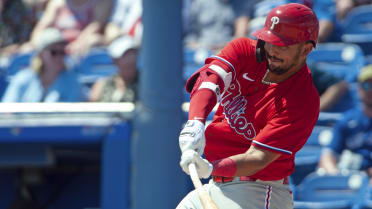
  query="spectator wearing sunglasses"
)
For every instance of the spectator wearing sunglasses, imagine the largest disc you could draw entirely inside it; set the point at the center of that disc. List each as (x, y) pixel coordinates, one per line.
(46, 79)
(351, 144)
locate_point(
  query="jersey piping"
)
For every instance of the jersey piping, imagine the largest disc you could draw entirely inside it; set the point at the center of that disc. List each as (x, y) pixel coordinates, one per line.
(273, 148)
(223, 60)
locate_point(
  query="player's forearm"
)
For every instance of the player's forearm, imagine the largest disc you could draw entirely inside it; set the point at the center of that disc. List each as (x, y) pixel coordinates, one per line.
(253, 161)
(201, 104)
(203, 101)
(238, 165)
(245, 164)
(248, 165)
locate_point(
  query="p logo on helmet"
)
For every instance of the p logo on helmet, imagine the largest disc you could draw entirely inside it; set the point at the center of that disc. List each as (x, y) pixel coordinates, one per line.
(298, 23)
(274, 20)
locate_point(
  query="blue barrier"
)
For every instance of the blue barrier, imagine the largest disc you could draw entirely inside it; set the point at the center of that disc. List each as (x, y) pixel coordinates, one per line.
(34, 140)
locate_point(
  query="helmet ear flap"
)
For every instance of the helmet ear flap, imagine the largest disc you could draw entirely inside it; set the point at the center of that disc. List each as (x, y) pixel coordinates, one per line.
(260, 51)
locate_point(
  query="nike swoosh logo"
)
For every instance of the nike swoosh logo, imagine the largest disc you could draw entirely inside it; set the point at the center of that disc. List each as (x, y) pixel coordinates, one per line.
(245, 76)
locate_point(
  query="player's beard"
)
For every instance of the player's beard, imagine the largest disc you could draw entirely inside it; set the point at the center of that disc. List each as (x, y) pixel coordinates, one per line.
(282, 69)
(279, 70)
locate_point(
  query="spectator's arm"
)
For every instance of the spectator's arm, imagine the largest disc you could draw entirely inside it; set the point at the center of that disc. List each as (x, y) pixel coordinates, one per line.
(241, 26)
(369, 172)
(343, 7)
(244, 11)
(332, 95)
(92, 34)
(96, 91)
(112, 31)
(47, 18)
(328, 162)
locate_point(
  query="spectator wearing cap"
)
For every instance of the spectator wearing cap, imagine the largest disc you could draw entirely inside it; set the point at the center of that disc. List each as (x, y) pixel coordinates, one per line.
(351, 145)
(121, 87)
(46, 79)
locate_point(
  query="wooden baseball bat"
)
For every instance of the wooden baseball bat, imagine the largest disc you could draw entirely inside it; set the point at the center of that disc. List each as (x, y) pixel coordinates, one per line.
(205, 199)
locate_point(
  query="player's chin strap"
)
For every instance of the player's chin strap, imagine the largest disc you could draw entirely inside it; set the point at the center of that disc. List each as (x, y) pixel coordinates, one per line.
(260, 51)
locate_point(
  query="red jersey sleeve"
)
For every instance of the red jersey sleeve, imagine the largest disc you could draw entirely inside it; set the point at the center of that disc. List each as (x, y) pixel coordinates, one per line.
(235, 55)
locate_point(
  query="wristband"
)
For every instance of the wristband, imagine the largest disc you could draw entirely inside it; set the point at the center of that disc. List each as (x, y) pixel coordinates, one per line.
(225, 167)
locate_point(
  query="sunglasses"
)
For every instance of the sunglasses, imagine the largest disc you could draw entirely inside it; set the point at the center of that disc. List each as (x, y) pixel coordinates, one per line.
(54, 52)
(366, 86)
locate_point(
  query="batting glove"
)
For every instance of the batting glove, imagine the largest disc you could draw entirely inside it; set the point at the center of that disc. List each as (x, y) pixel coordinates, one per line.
(192, 137)
(203, 167)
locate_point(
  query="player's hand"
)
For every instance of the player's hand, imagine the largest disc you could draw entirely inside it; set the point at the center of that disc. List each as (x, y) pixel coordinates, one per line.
(192, 137)
(203, 167)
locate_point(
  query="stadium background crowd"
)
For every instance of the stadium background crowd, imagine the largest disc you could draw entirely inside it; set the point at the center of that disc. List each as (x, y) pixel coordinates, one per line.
(90, 51)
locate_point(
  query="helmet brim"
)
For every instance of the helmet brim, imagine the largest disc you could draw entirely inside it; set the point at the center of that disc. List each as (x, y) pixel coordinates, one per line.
(270, 37)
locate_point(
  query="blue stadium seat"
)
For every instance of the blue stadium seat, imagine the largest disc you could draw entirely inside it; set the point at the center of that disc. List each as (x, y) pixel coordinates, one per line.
(339, 204)
(320, 136)
(326, 191)
(328, 118)
(307, 158)
(193, 60)
(367, 204)
(95, 65)
(18, 62)
(306, 162)
(344, 60)
(357, 27)
(358, 20)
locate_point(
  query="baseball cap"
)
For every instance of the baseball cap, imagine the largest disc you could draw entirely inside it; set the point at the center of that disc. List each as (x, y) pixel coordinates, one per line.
(120, 45)
(365, 74)
(48, 37)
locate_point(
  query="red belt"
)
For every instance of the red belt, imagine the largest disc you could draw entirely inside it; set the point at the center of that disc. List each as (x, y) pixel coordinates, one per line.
(221, 179)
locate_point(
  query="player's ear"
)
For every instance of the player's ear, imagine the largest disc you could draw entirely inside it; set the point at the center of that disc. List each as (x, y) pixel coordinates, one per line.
(307, 48)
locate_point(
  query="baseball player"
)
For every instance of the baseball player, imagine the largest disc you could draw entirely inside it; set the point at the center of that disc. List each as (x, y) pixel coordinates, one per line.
(267, 109)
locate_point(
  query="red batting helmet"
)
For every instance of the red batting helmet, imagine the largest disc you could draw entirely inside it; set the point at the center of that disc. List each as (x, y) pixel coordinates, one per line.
(289, 24)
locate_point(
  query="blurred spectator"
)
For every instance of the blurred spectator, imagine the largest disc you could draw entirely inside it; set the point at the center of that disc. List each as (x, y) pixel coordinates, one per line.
(211, 24)
(121, 87)
(47, 79)
(16, 22)
(126, 19)
(329, 29)
(330, 88)
(351, 145)
(80, 21)
(344, 6)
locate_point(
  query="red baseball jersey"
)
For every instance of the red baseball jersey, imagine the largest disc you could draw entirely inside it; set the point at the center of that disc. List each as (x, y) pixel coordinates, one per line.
(278, 117)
